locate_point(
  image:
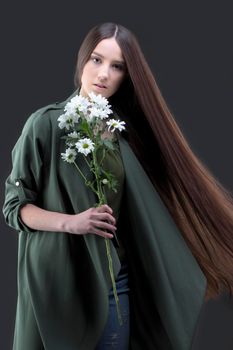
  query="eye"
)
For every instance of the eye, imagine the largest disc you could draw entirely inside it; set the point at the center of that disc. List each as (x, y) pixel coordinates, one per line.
(95, 59)
(118, 66)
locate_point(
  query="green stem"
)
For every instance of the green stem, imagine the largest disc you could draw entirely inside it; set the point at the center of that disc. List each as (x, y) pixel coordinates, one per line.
(113, 280)
(102, 200)
(85, 179)
(87, 162)
(96, 171)
(103, 156)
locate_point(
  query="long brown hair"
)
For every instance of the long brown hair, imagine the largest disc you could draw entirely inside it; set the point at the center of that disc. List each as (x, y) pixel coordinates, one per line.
(201, 207)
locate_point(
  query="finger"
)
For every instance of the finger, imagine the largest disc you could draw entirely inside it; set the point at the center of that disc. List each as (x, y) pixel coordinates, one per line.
(102, 233)
(105, 217)
(105, 208)
(105, 225)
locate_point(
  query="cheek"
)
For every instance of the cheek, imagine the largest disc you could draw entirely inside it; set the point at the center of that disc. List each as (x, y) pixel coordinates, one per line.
(83, 77)
(86, 74)
(119, 80)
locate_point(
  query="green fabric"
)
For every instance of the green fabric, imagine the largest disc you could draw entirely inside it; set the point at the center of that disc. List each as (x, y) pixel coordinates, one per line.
(63, 279)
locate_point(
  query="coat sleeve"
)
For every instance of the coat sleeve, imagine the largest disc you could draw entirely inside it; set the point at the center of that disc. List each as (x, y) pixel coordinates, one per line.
(25, 180)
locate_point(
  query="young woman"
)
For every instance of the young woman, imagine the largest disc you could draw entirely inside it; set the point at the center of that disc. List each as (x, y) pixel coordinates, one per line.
(174, 220)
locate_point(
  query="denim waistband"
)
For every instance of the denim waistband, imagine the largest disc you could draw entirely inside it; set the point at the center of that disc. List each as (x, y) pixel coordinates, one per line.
(122, 280)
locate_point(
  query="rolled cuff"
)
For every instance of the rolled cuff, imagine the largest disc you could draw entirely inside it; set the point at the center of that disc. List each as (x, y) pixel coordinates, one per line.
(17, 195)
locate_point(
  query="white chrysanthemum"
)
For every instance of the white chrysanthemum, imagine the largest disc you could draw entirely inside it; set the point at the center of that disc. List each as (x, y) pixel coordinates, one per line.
(85, 146)
(77, 104)
(115, 124)
(73, 138)
(67, 121)
(100, 100)
(73, 135)
(69, 155)
(108, 110)
(98, 113)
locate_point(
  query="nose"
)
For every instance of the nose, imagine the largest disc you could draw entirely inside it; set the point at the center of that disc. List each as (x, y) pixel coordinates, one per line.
(103, 73)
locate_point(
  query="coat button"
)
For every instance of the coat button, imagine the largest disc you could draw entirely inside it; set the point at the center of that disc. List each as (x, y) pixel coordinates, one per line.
(17, 183)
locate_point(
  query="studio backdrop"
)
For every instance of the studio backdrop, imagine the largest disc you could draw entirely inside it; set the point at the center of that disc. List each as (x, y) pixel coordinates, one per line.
(189, 48)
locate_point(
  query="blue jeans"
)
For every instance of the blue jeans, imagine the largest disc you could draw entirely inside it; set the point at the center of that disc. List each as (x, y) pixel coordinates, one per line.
(116, 336)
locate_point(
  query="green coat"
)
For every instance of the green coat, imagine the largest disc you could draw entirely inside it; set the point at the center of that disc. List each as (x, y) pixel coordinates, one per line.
(63, 279)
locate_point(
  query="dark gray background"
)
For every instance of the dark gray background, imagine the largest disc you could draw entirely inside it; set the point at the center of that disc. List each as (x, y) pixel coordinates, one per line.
(189, 47)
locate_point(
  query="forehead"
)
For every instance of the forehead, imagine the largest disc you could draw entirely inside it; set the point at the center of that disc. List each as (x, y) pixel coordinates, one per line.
(109, 48)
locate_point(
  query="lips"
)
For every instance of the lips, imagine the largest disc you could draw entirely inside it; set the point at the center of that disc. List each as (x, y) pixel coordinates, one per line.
(101, 86)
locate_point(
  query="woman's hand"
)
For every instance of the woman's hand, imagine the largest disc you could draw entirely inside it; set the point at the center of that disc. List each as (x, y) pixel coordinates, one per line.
(93, 220)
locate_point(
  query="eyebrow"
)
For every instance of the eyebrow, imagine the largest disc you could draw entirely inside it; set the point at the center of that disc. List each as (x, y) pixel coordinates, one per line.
(98, 54)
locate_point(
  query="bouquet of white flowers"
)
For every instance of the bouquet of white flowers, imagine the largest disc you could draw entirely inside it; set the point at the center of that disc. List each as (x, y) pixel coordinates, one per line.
(87, 119)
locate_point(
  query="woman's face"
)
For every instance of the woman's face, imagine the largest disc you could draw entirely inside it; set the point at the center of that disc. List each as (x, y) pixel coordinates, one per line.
(105, 70)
